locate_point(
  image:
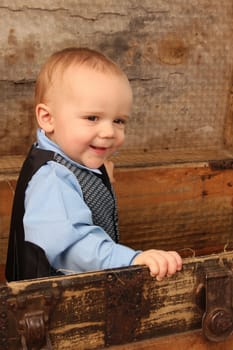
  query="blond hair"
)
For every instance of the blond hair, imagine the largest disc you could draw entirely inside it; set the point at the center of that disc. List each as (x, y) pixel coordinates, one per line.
(61, 60)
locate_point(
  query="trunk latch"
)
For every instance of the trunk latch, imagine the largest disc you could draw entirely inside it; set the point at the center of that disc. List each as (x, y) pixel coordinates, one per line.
(214, 296)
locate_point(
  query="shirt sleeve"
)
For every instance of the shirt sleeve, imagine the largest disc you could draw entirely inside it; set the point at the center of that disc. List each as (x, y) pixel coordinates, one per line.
(58, 220)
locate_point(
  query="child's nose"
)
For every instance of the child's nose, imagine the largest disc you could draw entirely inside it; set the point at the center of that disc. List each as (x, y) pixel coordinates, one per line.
(107, 130)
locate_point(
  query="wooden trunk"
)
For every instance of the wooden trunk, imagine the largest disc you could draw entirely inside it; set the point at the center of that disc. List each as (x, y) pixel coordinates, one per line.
(174, 176)
(120, 306)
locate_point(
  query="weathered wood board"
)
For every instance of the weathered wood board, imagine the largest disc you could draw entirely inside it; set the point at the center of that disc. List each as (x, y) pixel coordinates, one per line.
(9, 169)
(184, 341)
(178, 56)
(188, 207)
(112, 307)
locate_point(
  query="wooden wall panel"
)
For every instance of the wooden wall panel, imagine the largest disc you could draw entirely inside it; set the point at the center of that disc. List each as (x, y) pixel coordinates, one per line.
(6, 195)
(187, 208)
(177, 54)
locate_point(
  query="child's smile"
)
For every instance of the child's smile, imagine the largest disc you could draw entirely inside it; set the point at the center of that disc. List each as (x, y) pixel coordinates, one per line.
(99, 150)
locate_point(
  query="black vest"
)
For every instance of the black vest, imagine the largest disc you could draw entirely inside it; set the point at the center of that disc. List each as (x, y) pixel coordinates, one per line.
(26, 260)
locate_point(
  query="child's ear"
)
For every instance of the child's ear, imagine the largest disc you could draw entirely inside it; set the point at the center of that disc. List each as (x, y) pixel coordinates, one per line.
(44, 117)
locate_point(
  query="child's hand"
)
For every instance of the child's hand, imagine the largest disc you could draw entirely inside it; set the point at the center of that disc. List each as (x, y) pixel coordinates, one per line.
(160, 262)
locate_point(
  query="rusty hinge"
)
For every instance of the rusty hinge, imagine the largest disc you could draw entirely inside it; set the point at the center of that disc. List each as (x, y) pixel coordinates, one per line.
(214, 297)
(32, 314)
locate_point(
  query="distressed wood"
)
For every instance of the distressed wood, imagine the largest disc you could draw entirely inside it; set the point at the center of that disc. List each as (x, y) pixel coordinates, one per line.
(188, 207)
(112, 307)
(6, 194)
(184, 341)
(9, 170)
(2, 273)
(178, 57)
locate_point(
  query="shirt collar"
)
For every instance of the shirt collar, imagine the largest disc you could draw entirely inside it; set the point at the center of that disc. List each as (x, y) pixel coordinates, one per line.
(44, 142)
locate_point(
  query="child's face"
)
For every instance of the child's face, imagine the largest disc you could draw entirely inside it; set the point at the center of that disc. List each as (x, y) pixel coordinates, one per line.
(89, 110)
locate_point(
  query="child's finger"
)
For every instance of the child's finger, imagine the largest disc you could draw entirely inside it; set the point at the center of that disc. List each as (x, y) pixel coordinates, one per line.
(161, 261)
(170, 267)
(178, 259)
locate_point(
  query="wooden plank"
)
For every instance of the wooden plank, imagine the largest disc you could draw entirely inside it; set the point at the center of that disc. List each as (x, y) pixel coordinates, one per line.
(100, 309)
(188, 208)
(9, 170)
(178, 58)
(7, 187)
(184, 341)
(144, 158)
(10, 166)
(2, 273)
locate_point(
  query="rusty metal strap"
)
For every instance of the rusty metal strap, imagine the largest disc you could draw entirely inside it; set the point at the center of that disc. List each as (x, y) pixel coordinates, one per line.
(124, 306)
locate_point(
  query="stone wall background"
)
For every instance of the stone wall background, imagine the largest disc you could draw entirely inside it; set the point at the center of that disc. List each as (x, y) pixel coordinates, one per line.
(176, 53)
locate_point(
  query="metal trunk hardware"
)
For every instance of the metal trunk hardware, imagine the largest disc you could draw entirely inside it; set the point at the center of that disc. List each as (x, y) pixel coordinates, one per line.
(34, 331)
(215, 298)
(125, 305)
(33, 319)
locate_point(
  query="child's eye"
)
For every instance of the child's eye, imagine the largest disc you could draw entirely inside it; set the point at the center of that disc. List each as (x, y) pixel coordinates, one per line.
(92, 118)
(120, 121)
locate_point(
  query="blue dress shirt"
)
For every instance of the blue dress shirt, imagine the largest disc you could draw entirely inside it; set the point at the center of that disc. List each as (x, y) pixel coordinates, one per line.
(58, 220)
